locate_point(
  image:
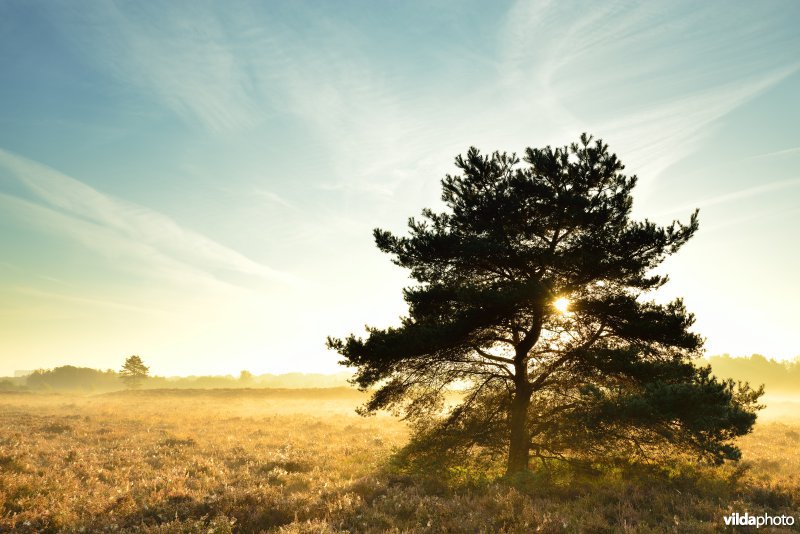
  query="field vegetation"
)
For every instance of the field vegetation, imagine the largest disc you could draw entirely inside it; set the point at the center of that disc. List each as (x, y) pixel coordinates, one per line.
(253, 460)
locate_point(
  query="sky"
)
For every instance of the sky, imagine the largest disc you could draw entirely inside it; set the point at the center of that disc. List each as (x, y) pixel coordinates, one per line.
(197, 182)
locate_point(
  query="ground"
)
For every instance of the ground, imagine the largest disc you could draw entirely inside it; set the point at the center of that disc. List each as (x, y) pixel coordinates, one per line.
(303, 461)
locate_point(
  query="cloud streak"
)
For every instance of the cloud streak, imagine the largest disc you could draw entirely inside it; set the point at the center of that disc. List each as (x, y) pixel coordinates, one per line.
(776, 153)
(185, 59)
(622, 57)
(733, 196)
(68, 206)
(49, 296)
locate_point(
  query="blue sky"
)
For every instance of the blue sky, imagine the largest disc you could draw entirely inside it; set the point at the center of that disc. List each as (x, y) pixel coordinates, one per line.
(196, 182)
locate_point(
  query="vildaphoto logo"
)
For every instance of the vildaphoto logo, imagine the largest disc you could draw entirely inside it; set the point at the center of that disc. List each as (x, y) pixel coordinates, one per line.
(746, 520)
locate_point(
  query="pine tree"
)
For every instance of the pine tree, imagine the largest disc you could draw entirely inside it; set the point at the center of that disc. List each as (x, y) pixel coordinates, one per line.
(134, 372)
(531, 289)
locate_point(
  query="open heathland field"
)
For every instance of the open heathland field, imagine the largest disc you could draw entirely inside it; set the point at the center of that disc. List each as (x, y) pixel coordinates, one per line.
(303, 461)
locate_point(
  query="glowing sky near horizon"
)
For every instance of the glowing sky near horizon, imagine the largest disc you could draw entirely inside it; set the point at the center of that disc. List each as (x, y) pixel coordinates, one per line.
(196, 182)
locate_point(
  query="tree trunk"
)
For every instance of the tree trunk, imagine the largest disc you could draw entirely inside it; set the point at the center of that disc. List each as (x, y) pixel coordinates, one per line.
(519, 447)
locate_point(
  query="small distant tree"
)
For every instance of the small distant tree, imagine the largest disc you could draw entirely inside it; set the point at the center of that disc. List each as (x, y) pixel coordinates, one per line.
(134, 372)
(246, 377)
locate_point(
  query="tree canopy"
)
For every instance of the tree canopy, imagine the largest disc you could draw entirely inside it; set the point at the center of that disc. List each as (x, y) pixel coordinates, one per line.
(134, 371)
(530, 288)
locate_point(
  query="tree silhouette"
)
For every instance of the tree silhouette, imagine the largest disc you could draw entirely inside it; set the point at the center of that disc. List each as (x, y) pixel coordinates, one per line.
(246, 377)
(529, 290)
(133, 372)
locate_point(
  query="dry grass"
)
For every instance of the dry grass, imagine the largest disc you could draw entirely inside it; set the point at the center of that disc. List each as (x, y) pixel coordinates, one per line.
(250, 461)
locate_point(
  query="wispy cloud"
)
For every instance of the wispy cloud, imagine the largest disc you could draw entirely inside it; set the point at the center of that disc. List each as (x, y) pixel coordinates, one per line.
(655, 139)
(558, 70)
(559, 65)
(49, 296)
(233, 70)
(273, 198)
(184, 59)
(112, 225)
(620, 56)
(733, 196)
(759, 217)
(785, 152)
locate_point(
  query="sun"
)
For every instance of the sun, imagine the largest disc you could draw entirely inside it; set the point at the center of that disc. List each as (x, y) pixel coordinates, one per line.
(562, 304)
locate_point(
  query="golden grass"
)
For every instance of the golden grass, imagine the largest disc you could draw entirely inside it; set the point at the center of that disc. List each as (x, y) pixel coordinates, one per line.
(250, 461)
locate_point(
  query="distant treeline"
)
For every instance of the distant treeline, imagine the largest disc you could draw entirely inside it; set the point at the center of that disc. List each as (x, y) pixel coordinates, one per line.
(85, 379)
(777, 376)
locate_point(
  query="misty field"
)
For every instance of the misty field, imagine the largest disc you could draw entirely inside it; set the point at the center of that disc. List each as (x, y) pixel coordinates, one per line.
(303, 461)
